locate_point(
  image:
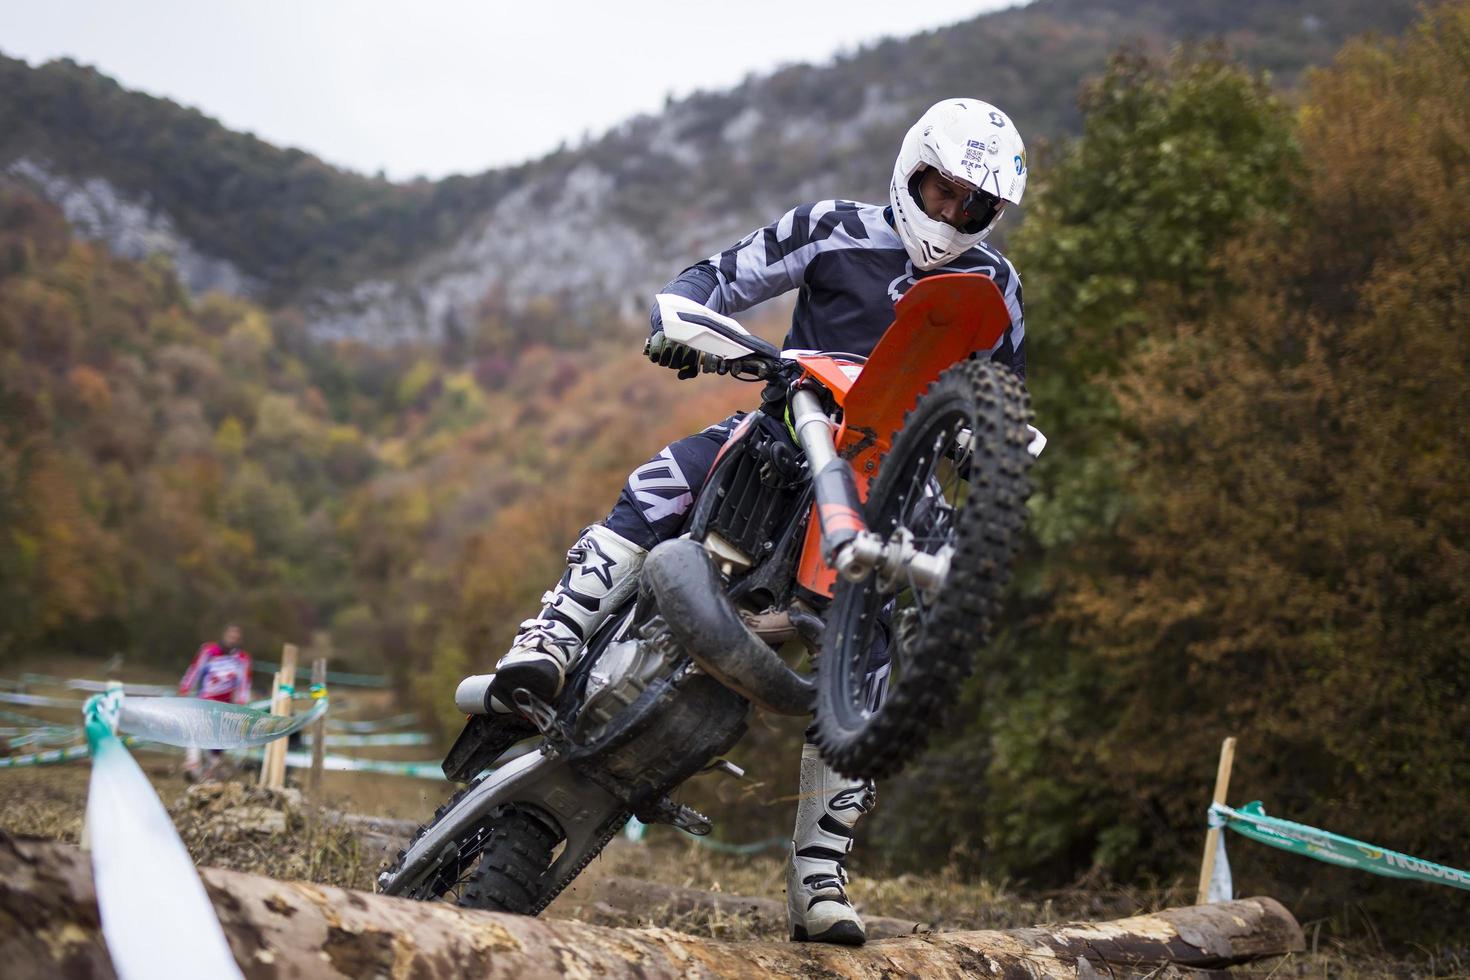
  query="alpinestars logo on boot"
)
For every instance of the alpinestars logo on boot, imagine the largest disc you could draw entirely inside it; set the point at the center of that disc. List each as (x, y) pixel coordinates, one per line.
(851, 799)
(595, 562)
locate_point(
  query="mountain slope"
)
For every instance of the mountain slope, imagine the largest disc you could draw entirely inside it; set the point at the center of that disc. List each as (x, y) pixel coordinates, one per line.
(606, 222)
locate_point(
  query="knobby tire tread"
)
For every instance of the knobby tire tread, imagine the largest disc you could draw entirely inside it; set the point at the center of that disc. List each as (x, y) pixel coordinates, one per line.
(517, 851)
(989, 527)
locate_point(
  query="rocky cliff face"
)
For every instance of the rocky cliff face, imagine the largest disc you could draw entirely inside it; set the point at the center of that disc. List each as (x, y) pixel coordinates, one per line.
(131, 228)
(568, 236)
(546, 239)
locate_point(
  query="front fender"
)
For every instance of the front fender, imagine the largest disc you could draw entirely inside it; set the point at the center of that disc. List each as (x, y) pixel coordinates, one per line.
(940, 321)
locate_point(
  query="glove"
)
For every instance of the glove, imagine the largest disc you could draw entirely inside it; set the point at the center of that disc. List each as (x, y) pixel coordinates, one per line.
(671, 354)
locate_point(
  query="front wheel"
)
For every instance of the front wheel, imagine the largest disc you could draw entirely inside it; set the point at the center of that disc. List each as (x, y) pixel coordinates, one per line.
(954, 483)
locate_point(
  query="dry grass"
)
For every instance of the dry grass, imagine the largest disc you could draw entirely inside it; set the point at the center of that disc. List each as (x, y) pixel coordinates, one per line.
(270, 832)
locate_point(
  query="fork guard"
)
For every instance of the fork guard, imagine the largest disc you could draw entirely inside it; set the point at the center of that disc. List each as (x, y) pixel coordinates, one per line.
(691, 596)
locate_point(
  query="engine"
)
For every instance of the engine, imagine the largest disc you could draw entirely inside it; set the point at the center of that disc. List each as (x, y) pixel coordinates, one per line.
(627, 666)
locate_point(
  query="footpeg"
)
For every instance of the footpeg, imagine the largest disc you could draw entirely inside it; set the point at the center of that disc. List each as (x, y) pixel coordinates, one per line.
(691, 821)
(678, 816)
(538, 712)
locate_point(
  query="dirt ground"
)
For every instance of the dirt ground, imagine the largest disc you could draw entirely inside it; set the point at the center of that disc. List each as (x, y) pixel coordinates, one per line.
(236, 825)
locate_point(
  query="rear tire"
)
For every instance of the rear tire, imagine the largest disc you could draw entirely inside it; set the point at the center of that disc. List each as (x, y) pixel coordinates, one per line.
(518, 850)
(933, 637)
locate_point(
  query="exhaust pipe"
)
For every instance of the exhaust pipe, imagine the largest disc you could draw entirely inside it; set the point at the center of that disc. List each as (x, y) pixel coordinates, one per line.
(691, 597)
(473, 695)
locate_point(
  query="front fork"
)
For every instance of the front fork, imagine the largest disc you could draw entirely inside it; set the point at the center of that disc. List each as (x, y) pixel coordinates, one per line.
(847, 544)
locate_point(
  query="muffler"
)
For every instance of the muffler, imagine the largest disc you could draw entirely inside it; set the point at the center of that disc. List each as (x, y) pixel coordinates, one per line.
(690, 595)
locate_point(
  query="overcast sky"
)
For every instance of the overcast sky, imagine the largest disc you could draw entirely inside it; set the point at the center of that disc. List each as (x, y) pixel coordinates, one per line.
(438, 87)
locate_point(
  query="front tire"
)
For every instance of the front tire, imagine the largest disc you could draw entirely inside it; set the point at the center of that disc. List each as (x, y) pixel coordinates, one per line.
(968, 499)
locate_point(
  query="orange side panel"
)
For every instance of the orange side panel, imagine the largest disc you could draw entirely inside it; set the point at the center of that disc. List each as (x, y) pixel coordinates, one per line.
(811, 571)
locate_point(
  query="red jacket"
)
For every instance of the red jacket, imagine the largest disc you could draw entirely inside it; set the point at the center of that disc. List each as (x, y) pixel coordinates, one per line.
(218, 675)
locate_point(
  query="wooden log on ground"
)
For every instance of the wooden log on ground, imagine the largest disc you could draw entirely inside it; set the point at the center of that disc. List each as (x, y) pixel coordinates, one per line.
(49, 927)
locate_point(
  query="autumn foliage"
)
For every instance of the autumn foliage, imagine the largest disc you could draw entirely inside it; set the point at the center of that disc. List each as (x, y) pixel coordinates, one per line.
(1247, 320)
(1273, 471)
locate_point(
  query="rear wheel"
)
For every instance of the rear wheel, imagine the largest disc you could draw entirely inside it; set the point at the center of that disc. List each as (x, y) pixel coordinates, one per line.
(451, 873)
(955, 483)
(518, 849)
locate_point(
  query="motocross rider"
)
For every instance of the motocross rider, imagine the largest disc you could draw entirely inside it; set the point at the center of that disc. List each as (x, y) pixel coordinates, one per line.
(957, 169)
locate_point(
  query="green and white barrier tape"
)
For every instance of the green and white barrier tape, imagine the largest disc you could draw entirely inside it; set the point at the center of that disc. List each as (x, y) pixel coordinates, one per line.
(427, 769)
(755, 847)
(37, 700)
(196, 723)
(372, 724)
(1251, 821)
(47, 758)
(45, 735)
(336, 677)
(131, 690)
(345, 763)
(371, 740)
(156, 917)
(83, 684)
(36, 725)
(636, 831)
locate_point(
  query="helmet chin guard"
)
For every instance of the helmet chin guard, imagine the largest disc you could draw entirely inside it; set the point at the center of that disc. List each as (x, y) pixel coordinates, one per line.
(973, 144)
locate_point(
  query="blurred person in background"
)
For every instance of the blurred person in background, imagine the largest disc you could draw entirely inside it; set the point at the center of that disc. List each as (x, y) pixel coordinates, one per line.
(220, 672)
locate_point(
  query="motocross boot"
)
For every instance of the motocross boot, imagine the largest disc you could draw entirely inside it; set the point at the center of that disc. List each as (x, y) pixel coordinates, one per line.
(817, 906)
(602, 571)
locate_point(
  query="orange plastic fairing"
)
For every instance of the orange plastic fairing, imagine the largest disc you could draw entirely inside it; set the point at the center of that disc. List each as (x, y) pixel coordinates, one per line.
(941, 320)
(938, 322)
(836, 374)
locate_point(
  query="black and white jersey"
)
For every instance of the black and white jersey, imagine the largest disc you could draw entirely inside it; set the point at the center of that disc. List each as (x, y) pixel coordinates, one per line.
(850, 267)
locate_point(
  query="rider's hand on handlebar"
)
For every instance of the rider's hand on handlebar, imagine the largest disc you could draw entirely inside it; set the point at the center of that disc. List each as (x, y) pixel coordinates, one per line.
(672, 354)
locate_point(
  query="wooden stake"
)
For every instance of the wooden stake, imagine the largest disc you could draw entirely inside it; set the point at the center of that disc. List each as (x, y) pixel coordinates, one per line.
(265, 757)
(273, 766)
(1212, 838)
(318, 733)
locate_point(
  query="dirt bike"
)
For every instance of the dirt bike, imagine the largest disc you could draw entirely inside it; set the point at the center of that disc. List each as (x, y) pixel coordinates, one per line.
(869, 508)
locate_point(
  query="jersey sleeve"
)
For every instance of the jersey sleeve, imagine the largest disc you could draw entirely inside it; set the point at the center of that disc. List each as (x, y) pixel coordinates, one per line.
(772, 260)
(190, 680)
(1011, 351)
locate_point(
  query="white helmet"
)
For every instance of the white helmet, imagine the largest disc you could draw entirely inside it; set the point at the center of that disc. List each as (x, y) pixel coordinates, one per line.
(973, 144)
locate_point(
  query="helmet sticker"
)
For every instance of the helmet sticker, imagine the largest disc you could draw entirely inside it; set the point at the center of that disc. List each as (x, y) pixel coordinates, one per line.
(998, 119)
(1020, 164)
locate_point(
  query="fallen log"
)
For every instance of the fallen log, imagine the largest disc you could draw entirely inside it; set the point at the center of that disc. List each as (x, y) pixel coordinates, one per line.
(49, 927)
